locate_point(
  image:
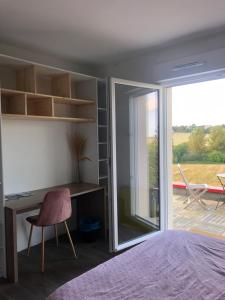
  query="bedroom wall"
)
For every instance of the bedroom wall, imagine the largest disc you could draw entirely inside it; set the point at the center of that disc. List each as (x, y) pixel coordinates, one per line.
(42, 158)
(43, 145)
(44, 58)
(150, 66)
(158, 64)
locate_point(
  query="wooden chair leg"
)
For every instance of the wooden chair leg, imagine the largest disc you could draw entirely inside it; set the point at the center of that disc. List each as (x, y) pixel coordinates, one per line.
(42, 250)
(30, 236)
(71, 242)
(56, 235)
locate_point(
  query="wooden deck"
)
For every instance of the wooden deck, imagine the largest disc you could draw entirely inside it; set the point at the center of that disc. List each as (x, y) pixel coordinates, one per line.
(210, 222)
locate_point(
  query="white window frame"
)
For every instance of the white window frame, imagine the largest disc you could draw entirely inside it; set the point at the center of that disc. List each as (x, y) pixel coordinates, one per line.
(115, 246)
(134, 153)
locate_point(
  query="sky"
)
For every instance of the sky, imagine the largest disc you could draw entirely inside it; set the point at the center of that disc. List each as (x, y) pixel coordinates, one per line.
(200, 103)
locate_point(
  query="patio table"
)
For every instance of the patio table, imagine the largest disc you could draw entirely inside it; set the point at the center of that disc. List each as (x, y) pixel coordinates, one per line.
(221, 178)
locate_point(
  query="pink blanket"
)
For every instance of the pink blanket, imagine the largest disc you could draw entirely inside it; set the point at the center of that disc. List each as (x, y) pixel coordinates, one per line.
(170, 265)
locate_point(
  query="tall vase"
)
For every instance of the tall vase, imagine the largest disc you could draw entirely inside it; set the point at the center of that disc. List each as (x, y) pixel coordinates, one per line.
(78, 172)
(79, 179)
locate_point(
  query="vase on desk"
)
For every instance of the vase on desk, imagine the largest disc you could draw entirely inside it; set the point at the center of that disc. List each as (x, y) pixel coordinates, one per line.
(78, 172)
(79, 147)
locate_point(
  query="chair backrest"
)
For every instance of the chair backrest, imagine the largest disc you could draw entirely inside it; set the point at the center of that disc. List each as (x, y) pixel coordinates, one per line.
(56, 207)
(183, 176)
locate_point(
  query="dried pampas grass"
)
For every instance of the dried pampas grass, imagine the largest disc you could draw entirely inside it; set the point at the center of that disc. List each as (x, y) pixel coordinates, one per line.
(79, 147)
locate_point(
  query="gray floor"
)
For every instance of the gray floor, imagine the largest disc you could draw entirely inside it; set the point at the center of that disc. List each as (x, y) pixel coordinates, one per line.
(60, 268)
(127, 232)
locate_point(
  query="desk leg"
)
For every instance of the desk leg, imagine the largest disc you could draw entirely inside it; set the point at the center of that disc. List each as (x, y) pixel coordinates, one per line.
(11, 245)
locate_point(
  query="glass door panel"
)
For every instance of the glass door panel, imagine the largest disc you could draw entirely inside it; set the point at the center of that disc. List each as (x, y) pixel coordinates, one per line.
(135, 153)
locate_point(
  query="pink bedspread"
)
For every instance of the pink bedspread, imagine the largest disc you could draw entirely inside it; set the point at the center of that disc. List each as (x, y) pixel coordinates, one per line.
(170, 265)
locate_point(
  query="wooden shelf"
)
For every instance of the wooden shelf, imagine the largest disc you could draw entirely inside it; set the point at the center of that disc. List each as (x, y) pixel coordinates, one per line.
(39, 106)
(53, 84)
(73, 101)
(103, 177)
(27, 105)
(47, 118)
(26, 79)
(57, 99)
(13, 103)
(11, 92)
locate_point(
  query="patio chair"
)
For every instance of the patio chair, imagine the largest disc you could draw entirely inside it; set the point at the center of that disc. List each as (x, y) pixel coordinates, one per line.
(195, 191)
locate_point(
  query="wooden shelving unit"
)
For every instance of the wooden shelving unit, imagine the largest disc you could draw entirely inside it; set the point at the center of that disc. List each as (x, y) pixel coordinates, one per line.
(73, 101)
(46, 118)
(39, 106)
(13, 102)
(35, 92)
(29, 90)
(103, 135)
(29, 105)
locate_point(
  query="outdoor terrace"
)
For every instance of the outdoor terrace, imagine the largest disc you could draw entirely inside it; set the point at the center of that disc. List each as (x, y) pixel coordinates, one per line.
(195, 218)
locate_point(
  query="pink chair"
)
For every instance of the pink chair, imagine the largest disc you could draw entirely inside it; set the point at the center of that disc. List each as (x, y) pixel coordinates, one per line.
(56, 208)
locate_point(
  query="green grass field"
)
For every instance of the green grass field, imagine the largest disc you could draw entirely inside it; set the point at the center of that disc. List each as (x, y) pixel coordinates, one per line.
(196, 172)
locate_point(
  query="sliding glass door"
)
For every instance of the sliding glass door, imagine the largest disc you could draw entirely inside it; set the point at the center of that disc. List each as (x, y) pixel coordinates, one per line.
(135, 161)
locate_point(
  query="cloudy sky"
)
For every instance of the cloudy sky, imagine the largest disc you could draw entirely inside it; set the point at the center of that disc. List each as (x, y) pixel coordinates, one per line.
(199, 103)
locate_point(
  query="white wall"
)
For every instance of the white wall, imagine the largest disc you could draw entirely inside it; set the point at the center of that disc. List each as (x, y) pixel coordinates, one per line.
(44, 58)
(158, 64)
(36, 154)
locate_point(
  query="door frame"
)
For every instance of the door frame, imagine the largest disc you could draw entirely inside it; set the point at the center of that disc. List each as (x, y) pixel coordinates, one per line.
(163, 163)
(168, 84)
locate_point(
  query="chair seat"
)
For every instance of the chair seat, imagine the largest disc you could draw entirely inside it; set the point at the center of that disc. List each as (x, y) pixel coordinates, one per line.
(32, 219)
(193, 186)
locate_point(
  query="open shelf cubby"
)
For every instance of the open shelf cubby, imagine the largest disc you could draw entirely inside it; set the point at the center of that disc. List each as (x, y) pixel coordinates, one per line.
(103, 169)
(34, 91)
(102, 134)
(83, 89)
(26, 79)
(13, 102)
(53, 84)
(74, 109)
(18, 77)
(102, 117)
(102, 95)
(103, 182)
(24, 105)
(39, 106)
(103, 151)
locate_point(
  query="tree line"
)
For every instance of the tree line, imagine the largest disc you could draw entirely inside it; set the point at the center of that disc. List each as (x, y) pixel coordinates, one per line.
(204, 145)
(191, 128)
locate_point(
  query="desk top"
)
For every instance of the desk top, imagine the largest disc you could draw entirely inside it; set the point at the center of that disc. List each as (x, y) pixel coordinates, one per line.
(34, 201)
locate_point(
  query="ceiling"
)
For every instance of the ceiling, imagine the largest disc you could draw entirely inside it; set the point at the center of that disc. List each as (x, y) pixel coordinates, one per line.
(103, 31)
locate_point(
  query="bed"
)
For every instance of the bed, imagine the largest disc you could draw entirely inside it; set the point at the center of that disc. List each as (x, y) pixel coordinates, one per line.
(170, 265)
